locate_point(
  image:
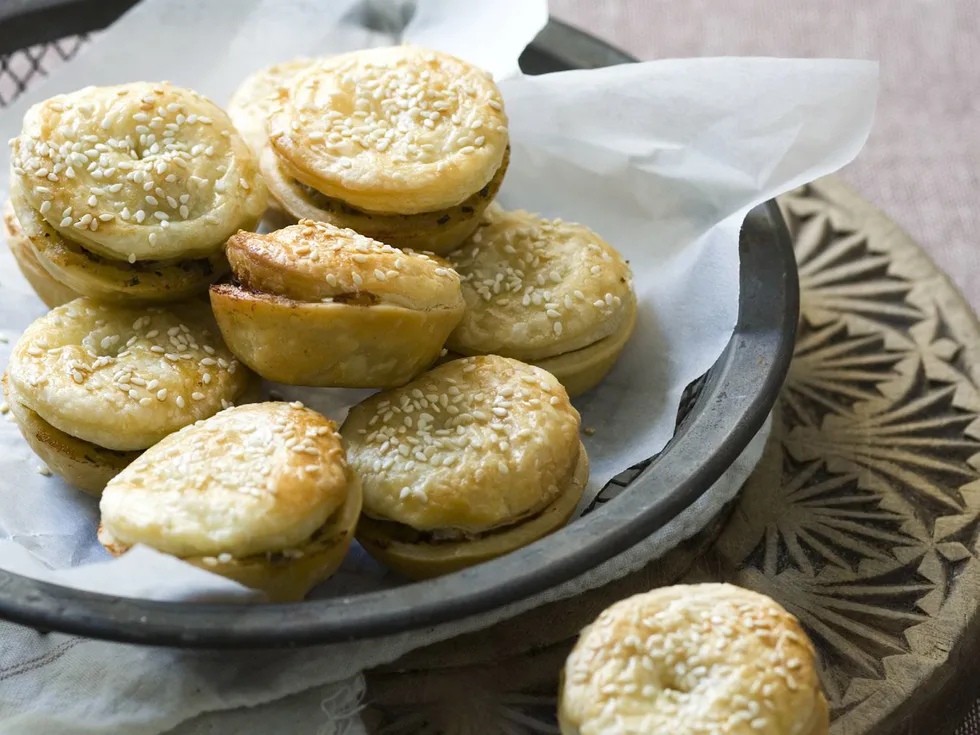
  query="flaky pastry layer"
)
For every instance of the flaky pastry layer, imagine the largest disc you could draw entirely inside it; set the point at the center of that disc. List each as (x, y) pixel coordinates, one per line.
(314, 261)
(581, 370)
(285, 575)
(52, 292)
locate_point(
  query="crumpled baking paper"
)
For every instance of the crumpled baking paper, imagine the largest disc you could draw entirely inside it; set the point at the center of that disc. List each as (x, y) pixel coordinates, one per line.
(663, 159)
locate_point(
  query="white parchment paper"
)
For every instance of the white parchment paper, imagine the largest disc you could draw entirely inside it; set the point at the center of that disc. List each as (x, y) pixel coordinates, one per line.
(663, 159)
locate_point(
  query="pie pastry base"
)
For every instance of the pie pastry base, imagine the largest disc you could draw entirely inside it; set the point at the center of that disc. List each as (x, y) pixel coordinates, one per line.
(289, 576)
(80, 463)
(49, 290)
(87, 274)
(427, 560)
(329, 344)
(581, 370)
(437, 232)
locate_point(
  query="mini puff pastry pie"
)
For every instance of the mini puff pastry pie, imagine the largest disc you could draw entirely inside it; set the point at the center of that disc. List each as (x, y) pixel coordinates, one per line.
(129, 192)
(316, 305)
(91, 385)
(709, 658)
(550, 293)
(402, 144)
(470, 461)
(260, 493)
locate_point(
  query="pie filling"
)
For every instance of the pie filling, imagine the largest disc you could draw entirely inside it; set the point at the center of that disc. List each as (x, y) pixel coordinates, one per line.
(329, 204)
(405, 534)
(361, 298)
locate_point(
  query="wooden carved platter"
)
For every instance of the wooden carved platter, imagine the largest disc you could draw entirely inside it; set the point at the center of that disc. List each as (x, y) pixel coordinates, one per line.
(862, 517)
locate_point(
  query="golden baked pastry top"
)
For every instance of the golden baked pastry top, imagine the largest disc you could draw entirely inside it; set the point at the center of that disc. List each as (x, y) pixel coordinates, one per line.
(140, 171)
(693, 658)
(257, 478)
(472, 445)
(536, 288)
(400, 129)
(124, 377)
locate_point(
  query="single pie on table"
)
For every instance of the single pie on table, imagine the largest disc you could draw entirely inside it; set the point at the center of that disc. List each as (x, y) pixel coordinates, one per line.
(705, 658)
(402, 144)
(261, 494)
(547, 292)
(92, 385)
(313, 304)
(468, 462)
(128, 193)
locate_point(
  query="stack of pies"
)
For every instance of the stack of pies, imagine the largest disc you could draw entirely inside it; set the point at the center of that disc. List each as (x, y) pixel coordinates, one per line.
(388, 257)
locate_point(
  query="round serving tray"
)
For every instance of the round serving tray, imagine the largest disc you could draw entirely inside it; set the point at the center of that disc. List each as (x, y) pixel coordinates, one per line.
(726, 410)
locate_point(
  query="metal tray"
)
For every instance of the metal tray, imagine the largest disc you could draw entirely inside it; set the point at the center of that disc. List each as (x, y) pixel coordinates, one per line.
(721, 413)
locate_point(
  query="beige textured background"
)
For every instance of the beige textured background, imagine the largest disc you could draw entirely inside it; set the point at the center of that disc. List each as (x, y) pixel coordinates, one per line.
(922, 160)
